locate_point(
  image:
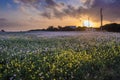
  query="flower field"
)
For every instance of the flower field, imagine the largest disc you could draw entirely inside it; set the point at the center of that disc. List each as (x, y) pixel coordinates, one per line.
(76, 56)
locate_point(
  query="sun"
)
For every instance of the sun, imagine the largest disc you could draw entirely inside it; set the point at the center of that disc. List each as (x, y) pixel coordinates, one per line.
(87, 23)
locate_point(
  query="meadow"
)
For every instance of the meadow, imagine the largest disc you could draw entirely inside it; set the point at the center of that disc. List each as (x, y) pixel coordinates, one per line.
(60, 56)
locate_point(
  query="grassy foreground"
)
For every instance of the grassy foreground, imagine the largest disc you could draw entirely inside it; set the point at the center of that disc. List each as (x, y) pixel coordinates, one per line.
(63, 58)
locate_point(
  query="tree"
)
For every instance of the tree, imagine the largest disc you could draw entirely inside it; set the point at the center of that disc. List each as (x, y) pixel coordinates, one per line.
(51, 28)
(113, 27)
(2, 30)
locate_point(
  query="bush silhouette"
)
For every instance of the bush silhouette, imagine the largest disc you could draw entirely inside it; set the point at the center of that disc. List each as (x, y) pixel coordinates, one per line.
(113, 27)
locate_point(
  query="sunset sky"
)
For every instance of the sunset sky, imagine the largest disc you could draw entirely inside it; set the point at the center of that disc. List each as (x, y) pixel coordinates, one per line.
(21, 15)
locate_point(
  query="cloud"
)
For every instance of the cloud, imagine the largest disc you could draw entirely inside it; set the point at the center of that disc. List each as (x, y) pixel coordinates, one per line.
(110, 9)
(6, 23)
(3, 19)
(50, 8)
(27, 1)
(87, 3)
(3, 22)
(51, 3)
(60, 9)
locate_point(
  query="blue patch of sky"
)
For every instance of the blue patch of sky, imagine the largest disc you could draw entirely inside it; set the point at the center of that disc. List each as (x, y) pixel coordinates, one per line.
(5, 5)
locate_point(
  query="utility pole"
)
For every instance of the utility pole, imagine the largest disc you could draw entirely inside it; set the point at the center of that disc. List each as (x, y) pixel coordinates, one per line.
(88, 22)
(101, 16)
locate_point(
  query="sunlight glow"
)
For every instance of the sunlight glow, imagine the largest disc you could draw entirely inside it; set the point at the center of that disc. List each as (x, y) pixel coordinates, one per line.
(87, 23)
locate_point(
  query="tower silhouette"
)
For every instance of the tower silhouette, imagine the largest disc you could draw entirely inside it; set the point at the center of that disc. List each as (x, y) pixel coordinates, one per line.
(101, 17)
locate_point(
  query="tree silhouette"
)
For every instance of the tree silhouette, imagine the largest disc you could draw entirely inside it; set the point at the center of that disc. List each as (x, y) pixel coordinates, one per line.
(113, 27)
(2, 30)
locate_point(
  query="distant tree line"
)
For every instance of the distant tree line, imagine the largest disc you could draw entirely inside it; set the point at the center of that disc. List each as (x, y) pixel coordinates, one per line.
(66, 28)
(113, 27)
(60, 28)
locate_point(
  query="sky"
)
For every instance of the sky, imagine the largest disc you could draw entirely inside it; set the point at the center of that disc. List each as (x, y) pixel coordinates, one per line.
(22, 15)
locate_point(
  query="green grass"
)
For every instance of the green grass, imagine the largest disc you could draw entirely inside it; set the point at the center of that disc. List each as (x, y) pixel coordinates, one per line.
(63, 58)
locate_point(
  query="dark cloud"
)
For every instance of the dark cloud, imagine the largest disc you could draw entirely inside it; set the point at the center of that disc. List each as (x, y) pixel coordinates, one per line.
(51, 2)
(110, 9)
(46, 14)
(88, 3)
(3, 19)
(27, 1)
(54, 8)
(51, 8)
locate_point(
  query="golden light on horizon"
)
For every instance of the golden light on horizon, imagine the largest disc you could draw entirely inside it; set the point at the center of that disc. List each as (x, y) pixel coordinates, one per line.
(88, 23)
